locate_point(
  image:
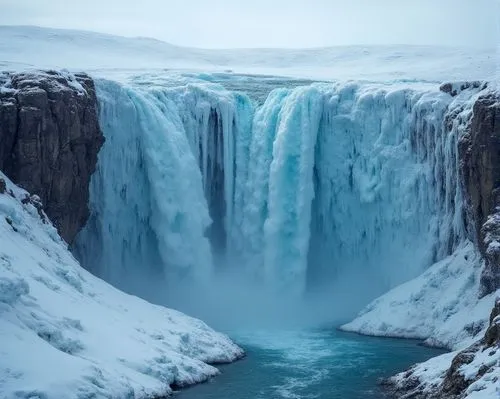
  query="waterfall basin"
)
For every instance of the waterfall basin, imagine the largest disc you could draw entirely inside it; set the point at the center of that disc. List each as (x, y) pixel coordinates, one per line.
(300, 364)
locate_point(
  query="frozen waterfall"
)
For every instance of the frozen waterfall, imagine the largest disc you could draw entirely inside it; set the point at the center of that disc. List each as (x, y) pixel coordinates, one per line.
(318, 183)
(148, 210)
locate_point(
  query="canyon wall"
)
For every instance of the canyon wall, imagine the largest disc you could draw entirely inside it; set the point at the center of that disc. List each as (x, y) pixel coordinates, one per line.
(49, 140)
(479, 154)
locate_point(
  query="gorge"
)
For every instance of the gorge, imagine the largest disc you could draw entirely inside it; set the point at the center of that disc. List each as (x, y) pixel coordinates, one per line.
(262, 201)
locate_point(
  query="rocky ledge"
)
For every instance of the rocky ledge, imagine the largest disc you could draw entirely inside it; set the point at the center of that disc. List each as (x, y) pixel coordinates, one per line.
(49, 140)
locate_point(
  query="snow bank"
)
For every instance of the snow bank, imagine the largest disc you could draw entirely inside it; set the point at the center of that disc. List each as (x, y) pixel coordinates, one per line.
(67, 334)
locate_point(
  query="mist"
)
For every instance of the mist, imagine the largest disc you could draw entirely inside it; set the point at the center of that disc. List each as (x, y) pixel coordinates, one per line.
(233, 301)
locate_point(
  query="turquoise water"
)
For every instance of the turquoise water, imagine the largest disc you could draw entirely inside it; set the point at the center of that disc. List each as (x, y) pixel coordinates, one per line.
(310, 364)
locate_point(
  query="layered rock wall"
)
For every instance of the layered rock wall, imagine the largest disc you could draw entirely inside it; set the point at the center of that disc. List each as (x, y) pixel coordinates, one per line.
(49, 140)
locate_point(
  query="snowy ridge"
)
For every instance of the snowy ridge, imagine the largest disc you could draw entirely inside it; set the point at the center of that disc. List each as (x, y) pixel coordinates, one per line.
(432, 373)
(27, 46)
(67, 334)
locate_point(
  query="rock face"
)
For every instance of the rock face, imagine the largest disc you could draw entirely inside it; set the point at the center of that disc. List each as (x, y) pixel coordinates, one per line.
(479, 152)
(49, 140)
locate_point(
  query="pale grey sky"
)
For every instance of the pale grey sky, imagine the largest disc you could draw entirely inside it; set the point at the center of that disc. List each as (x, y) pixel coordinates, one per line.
(271, 23)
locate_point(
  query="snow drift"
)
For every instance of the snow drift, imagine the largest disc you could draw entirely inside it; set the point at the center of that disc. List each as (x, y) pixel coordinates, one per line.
(68, 334)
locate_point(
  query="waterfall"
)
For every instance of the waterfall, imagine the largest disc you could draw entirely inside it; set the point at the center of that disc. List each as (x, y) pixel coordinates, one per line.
(319, 183)
(148, 209)
(387, 201)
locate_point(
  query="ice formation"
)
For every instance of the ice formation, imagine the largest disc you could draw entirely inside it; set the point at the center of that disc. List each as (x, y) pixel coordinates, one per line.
(319, 183)
(147, 199)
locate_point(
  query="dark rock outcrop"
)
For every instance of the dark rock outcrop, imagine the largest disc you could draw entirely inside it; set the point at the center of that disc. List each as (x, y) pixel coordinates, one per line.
(479, 153)
(49, 140)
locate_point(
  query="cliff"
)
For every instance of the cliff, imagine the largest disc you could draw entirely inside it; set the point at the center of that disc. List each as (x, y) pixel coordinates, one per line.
(479, 154)
(49, 140)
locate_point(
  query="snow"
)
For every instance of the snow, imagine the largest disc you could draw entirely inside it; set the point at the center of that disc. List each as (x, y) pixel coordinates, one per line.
(441, 306)
(489, 384)
(67, 334)
(27, 46)
(431, 371)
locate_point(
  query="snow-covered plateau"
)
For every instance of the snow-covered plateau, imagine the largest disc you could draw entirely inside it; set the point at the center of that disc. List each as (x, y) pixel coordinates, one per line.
(65, 333)
(27, 46)
(342, 189)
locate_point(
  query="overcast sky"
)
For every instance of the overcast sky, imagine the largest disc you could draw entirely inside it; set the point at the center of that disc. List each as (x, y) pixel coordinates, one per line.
(271, 23)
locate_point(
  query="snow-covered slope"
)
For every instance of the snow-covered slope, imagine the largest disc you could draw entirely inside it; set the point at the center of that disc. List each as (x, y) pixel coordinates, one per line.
(67, 334)
(22, 47)
(441, 306)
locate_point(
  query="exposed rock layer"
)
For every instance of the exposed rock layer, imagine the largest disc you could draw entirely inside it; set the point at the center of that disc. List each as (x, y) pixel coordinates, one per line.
(479, 152)
(49, 140)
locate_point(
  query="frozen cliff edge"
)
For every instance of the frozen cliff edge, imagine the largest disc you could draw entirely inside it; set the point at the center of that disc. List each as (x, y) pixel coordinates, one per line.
(49, 140)
(448, 305)
(68, 334)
